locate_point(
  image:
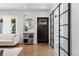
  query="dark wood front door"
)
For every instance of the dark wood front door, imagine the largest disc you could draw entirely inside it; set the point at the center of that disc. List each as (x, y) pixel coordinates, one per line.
(42, 30)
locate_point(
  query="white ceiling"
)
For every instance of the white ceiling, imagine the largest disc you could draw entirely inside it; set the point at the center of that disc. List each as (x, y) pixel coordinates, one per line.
(25, 6)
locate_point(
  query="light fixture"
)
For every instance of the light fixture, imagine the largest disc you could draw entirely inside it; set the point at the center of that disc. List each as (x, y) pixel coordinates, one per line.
(24, 6)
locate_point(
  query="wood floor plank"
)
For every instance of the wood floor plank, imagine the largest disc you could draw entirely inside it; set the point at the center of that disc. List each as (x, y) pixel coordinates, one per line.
(36, 50)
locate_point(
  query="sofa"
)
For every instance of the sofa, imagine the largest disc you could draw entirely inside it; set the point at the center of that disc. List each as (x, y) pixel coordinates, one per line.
(9, 39)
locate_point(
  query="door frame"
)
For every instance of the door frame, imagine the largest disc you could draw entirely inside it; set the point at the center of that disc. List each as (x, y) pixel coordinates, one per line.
(48, 27)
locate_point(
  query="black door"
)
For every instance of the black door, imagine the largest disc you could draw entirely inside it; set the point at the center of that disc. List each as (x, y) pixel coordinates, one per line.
(42, 30)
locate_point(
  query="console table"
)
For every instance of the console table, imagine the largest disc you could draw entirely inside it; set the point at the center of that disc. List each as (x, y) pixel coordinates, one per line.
(28, 38)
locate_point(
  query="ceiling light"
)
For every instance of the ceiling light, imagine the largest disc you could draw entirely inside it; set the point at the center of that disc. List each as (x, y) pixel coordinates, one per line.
(24, 6)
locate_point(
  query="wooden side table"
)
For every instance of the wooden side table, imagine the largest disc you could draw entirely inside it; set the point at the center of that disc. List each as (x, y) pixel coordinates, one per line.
(28, 38)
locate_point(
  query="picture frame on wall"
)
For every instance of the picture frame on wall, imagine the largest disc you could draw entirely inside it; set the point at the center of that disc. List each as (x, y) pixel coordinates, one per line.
(13, 26)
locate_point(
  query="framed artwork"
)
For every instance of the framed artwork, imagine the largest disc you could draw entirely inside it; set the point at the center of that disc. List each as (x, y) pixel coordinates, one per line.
(13, 26)
(29, 23)
(1, 25)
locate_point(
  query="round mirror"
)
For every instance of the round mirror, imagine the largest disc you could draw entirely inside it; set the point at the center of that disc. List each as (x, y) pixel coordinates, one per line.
(29, 23)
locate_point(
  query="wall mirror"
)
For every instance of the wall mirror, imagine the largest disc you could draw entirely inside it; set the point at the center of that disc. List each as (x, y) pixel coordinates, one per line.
(28, 24)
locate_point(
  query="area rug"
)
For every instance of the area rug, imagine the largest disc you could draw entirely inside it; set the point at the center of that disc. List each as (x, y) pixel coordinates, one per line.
(11, 51)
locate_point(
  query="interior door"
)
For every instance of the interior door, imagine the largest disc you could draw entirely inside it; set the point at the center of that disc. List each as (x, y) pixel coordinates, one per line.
(42, 30)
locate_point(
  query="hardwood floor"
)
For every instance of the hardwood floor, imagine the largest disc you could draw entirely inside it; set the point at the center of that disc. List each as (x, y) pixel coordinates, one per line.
(36, 50)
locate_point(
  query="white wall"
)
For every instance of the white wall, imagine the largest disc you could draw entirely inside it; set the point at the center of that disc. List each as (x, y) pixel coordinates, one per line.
(75, 28)
(19, 15)
(7, 16)
(34, 15)
(54, 5)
